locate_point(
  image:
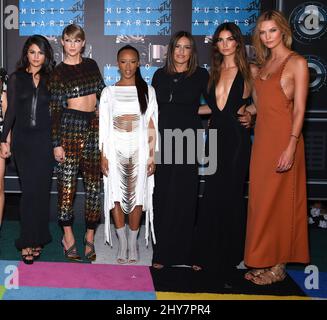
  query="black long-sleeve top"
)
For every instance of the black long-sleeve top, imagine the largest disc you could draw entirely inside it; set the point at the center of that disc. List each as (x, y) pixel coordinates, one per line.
(72, 81)
(28, 106)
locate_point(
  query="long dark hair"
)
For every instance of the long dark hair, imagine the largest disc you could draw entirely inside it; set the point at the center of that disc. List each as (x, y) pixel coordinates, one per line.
(193, 62)
(45, 47)
(141, 85)
(240, 55)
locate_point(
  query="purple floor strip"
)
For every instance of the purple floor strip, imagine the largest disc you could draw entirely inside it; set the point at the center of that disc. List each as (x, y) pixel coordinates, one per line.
(88, 276)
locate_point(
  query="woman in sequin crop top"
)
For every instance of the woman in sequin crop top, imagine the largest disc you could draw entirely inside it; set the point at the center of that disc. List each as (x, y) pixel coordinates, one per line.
(27, 115)
(75, 85)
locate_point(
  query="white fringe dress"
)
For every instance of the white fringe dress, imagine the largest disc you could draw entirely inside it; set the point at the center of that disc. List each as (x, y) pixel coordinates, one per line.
(123, 139)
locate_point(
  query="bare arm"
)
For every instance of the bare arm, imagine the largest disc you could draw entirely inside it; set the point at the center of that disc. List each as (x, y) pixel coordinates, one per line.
(251, 108)
(301, 83)
(152, 142)
(301, 80)
(204, 110)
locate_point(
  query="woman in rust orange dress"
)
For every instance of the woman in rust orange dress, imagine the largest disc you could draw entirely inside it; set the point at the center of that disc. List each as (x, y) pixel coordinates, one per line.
(277, 212)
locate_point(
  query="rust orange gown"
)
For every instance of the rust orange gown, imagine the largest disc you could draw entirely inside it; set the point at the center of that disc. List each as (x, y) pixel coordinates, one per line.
(277, 209)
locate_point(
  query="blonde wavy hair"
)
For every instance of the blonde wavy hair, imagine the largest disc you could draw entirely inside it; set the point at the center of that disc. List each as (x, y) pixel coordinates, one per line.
(262, 52)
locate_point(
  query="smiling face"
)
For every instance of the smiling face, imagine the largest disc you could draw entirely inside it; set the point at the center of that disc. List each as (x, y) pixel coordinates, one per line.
(128, 63)
(182, 52)
(72, 46)
(226, 43)
(35, 56)
(270, 34)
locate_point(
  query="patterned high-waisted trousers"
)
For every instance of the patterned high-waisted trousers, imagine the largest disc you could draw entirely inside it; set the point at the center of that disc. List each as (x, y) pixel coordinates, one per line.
(80, 141)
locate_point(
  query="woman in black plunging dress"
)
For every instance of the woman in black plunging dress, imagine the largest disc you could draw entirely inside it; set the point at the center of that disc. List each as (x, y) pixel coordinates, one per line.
(28, 114)
(219, 238)
(179, 86)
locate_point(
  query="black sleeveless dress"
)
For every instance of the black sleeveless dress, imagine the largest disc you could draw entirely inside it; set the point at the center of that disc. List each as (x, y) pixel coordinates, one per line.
(218, 243)
(176, 184)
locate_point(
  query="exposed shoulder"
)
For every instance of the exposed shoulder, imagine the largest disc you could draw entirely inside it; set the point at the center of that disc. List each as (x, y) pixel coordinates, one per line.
(254, 70)
(297, 66)
(297, 61)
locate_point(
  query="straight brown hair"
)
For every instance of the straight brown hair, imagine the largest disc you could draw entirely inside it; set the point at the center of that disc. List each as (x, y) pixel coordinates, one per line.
(192, 63)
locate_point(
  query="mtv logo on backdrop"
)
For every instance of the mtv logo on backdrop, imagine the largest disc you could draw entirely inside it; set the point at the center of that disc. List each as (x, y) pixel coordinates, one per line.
(207, 15)
(49, 18)
(139, 17)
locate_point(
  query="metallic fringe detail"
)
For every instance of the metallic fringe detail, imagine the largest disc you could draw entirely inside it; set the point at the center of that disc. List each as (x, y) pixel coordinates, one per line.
(127, 158)
(128, 178)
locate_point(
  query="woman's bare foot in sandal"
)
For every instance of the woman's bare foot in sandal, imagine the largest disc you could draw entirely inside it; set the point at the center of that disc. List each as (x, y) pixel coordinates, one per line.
(254, 273)
(157, 266)
(27, 255)
(37, 252)
(271, 275)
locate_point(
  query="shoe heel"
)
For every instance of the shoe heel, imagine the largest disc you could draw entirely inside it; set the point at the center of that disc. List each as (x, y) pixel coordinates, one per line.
(91, 255)
(71, 252)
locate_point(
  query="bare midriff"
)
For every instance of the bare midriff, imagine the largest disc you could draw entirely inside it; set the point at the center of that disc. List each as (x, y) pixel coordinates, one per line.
(84, 103)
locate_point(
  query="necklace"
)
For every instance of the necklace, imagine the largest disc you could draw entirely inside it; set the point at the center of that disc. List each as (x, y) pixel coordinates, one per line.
(172, 84)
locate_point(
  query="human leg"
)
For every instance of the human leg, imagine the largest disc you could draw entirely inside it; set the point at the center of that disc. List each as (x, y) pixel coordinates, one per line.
(66, 184)
(34, 228)
(119, 220)
(90, 168)
(69, 244)
(134, 227)
(66, 180)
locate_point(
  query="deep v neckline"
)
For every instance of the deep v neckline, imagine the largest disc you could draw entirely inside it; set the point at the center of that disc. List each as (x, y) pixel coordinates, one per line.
(229, 92)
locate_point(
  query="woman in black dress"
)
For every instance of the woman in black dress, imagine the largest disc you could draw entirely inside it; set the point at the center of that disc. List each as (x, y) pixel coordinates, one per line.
(28, 112)
(220, 232)
(179, 86)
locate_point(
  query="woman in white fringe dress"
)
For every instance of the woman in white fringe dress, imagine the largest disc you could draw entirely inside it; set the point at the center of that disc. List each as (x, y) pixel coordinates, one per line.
(128, 116)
